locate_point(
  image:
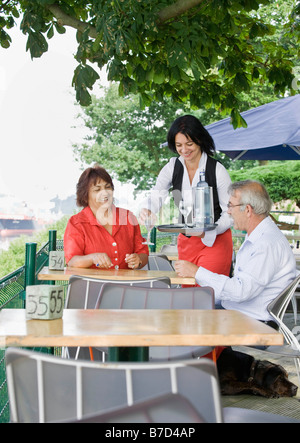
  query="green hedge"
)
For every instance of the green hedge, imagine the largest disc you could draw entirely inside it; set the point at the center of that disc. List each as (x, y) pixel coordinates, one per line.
(282, 179)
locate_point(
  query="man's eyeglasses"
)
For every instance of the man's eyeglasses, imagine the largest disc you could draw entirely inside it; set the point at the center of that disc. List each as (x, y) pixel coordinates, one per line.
(230, 205)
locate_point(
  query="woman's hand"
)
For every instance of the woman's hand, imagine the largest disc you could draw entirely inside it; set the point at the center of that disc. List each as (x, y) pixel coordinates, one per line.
(101, 260)
(133, 261)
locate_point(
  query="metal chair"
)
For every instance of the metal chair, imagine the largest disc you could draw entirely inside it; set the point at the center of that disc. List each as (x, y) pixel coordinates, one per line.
(169, 249)
(44, 388)
(83, 293)
(174, 408)
(277, 309)
(294, 301)
(166, 408)
(116, 296)
(159, 262)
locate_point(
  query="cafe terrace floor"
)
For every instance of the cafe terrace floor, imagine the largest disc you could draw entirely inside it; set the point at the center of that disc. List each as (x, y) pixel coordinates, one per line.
(284, 406)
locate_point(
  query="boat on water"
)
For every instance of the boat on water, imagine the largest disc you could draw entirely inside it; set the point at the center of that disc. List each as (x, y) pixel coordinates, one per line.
(15, 225)
(16, 218)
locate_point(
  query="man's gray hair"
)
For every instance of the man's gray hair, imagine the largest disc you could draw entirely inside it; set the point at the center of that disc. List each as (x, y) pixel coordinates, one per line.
(253, 193)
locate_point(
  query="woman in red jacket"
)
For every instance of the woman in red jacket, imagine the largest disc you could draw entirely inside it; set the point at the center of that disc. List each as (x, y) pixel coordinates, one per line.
(102, 235)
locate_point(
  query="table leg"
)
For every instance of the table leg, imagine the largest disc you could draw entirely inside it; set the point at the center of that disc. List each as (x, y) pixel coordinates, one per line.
(128, 354)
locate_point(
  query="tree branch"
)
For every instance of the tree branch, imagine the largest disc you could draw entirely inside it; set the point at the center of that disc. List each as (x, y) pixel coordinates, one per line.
(176, 9)
(65, 20)
(165, 14)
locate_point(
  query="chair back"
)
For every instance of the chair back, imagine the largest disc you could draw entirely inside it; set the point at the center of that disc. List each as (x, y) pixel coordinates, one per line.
(278, 306)
(159, 263)
(277, 309)
(113, 296)
(83, 293)
(169, 249)
(120, 296)
(46, 388)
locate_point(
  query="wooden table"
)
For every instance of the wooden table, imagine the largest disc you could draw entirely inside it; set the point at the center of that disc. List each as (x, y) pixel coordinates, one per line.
(113, 274)
(172, 257)
(136, 328)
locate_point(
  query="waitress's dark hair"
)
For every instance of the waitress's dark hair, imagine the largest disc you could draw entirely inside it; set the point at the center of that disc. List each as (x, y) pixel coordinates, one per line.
(191, 127)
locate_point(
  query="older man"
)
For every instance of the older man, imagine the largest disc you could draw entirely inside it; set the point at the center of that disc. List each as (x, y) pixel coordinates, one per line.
(265, 263)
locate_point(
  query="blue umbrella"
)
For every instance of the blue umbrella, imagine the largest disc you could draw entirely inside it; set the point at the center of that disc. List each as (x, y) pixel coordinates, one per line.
(273, 132)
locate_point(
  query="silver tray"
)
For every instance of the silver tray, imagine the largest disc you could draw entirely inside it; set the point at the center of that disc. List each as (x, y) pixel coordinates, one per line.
(191, 230)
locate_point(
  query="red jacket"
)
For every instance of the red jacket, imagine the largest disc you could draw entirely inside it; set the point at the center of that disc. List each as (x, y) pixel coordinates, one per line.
(84, 235)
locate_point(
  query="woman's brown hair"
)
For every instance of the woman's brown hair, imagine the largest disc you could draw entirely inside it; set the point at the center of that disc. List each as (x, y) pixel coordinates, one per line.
(89, 178)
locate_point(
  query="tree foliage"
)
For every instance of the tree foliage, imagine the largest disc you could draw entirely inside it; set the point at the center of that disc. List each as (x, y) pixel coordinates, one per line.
(14, 257)
(126, 139)
(201, 51)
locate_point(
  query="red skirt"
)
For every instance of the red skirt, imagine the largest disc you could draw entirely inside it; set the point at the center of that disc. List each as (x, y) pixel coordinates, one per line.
(217, 258)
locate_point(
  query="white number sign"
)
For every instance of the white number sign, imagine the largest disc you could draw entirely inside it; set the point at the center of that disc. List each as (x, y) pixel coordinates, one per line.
(56, 260)
(44, 302)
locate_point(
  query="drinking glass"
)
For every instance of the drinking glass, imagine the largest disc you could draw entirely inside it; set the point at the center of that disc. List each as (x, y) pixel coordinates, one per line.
(149, 223)
(185, 209)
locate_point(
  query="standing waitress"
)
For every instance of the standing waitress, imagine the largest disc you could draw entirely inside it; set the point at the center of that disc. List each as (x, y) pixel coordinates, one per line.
(191, 141)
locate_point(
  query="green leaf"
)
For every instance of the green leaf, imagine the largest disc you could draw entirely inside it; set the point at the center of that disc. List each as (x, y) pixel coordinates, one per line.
(36, 44)
(45, 2)
(177, 57)
(60, 29)
(241, 82)
(97, 42)
(140, 74)
(237, 120)
(5, 44)
(145, 100)
(150, 75)
(255, 73)
(84, 78)
(5, 39)
(159, 77)
(50, 33)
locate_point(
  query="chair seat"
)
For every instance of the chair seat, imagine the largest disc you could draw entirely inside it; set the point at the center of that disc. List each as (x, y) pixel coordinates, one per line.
(158, 353)
(170, 408)
(285, 350)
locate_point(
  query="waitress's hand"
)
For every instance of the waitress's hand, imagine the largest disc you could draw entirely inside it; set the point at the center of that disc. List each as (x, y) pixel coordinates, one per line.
(145, 213)
(201, 235)
(185, 268)
(102, 260)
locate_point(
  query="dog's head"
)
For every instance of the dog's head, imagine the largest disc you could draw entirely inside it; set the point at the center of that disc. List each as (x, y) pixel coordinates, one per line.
(275, 378)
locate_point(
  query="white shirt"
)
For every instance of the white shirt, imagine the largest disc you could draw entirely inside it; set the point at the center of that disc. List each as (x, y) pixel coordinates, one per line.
(265, 265)
(160, 192)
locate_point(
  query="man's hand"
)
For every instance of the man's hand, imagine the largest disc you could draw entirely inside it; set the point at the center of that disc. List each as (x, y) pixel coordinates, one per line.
(185, 268)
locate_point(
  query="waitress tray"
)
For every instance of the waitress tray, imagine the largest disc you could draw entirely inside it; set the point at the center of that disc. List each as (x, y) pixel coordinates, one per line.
(190, 230)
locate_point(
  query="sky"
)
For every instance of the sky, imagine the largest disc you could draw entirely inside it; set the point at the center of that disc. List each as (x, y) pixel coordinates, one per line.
(37, 118)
